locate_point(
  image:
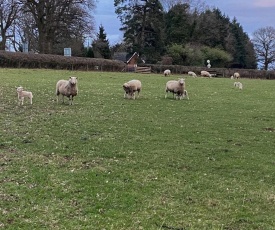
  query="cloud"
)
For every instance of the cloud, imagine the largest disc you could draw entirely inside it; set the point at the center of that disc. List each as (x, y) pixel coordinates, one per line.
(264, 3)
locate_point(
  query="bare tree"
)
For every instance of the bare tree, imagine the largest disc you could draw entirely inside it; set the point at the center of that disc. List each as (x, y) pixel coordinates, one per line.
(56, 20)
(264, 43)
(9, 10)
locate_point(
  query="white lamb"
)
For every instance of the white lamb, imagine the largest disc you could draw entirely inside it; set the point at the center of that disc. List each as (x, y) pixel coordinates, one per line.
(167, 72)
(22, 94)
(238, 85)
(131, 87)
(190, 73)
(205, 74)
(67, 88)
(176, 87)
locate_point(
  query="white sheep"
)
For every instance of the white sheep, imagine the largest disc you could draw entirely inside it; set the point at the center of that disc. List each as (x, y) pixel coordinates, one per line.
(67, 88)
(236, 76)
(205, 74)
(190, 73)
(22, 94)
(131, 87)
(167, 72)
(238, 85)
(176, 87)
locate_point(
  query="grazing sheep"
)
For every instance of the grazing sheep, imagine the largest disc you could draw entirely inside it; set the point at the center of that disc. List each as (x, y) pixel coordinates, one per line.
(167, 72)
(176, 87)
(190, 73)
(238, 85)
(205, 74)
(67, 88)
(22, 94)
(131, 87)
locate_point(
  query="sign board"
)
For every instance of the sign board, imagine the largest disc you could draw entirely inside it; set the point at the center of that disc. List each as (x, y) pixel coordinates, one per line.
(67, 52)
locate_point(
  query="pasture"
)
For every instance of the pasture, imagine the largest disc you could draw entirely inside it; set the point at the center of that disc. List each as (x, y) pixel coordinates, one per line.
(152, 163)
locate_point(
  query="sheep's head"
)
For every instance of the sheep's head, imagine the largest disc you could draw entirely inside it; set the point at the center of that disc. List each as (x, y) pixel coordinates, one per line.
(73, 80)
(181, 81)
(126, 87)
(19, 89)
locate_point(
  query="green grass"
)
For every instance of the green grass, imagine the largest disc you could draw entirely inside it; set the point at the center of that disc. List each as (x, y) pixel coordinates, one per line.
(152, 163)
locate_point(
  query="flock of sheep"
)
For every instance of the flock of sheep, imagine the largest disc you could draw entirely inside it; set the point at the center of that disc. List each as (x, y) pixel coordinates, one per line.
(69, 88)
(204, 73)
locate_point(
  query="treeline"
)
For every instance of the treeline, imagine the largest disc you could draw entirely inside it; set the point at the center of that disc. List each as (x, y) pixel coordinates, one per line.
(184, 35)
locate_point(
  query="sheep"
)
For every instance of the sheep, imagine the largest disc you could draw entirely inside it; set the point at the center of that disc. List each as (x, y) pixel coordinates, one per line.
(167, 72)
(236, 76)
(238, 85)
(68, 88)
(131, 87)
(22, 94)
(176, 87)
(190, 73)
(205, 74)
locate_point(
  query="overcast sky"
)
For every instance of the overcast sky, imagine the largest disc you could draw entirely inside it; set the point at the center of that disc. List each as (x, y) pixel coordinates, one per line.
(251, 14)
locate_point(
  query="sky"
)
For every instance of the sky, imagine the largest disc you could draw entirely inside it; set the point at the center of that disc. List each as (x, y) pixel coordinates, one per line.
(251, 14)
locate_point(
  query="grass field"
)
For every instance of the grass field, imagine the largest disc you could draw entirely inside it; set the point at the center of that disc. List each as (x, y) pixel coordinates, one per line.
(152, 163)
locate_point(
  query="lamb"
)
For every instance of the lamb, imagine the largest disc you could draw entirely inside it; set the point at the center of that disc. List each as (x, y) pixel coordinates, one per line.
(176, 87)
(190, 73)
(236, 75)
(68, 88)
(205, 74)
(22, 94)
(167, 72)
(131, 87)
(238, 85)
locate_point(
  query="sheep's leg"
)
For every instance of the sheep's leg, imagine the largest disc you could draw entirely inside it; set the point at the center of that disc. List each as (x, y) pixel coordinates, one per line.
(31, 100)
(186, 94)
(166, 94)
(22, 100)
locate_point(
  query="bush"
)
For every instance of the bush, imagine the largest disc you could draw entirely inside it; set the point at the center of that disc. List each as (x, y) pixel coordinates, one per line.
(49, 61)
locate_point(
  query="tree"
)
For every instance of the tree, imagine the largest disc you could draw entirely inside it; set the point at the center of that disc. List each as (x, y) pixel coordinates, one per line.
(212, 28)
(58, 22)
(239, 45)
(101, 47)
(9, 10)
(178, 24)
(194, 5)
(264, 43)
(142, 23)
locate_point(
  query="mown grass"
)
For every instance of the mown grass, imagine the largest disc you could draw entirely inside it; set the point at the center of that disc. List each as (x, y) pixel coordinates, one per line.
(152, 163)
